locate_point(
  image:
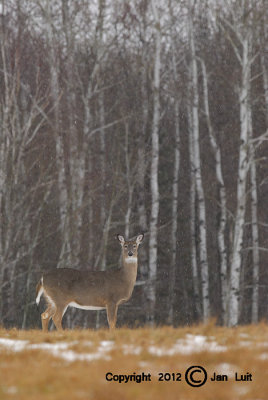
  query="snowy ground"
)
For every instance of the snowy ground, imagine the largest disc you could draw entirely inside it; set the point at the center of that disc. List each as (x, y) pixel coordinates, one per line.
(51, 366)
(189, 345)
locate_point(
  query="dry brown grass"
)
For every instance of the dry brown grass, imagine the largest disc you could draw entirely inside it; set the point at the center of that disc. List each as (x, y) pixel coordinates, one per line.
(37, 374)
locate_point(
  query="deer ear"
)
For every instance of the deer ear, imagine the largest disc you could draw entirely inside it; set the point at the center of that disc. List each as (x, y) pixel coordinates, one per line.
(139, 238)
(121, 239)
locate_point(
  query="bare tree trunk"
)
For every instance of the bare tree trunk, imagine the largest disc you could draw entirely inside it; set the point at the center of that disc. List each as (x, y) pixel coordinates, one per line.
(103, 173)
(86, 165)
(141, 160)
(21, 119)
(265, 86)
(254, 228)
(142, 167)
(76, 182)
(3, 162)
(93, 78)
(64, 257)
(154, 167)
(193, 252)
(143, 270)
(34, 243)
(104, 216)
(129, 183)
(234, 284)
(175, 195)
(222, 194)
(198, 176)
(263, 57)
(174, 226)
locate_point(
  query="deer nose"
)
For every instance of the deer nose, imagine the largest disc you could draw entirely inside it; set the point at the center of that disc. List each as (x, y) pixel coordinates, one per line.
(130, 253)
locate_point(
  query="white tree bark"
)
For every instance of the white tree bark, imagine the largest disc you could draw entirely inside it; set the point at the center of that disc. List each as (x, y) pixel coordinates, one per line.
(75, 178)
(198, 176)
(154, 165)
(193, 252)
(235, 268)
(65, 252)
(142, 165)
(263, 57)
(265, 86)
(129, 183)
(175, 195)
(85, 161)
(19, 229)
(103, 173)
(174, 225)
(222, 194)
(254, 227)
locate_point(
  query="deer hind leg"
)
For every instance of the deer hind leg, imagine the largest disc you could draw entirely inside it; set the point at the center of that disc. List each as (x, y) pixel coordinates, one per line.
(46, 316)
(112, 314)
(57, 317)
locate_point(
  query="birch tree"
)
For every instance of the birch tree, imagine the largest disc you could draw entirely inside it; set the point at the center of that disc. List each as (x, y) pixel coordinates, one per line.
(263, 56)
(175, 195)
(254, 227)
(129, 182)
(243, 35)
(193, 250)
(253, 172)
(142, 164)
(222, 192)
(197, 169)
(71, 176)
(21, 119)
(65, 252)
(76, 175)
(174, 226)
(103, 213)
(154, 164)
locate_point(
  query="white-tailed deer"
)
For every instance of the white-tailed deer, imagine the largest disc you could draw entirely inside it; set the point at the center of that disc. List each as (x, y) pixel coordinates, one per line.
(90, 290)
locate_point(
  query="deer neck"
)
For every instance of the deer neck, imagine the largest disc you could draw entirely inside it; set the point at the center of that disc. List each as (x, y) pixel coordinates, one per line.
(130, 267)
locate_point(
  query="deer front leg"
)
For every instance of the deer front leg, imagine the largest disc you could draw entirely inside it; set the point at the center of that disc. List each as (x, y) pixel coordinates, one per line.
(111, 314)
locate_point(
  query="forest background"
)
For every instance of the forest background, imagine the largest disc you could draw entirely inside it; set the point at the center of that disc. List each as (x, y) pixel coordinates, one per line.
(127, 117)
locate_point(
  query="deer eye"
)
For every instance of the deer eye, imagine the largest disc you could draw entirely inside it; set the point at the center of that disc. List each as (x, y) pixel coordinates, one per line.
(134, 246)
(125, 246)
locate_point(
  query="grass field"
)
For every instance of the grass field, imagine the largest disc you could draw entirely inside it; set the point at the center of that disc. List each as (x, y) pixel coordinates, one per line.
(74, 364)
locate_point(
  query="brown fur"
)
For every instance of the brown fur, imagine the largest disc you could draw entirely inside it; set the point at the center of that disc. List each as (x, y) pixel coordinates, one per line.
(101, 289)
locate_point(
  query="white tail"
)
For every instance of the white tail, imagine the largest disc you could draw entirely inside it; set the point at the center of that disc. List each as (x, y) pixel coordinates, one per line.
(90, 290)
(39, 291)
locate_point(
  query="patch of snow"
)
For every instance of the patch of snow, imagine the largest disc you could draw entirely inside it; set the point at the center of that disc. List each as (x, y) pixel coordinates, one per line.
(244, 335)
(263, 356)
(72, 356)
(245, 343)
(60, 350)
(241, 390)
(131, 349)
(10, 390)
(187, 345)
(88, 343)
(50, 346)
(144, 364)
(13, 345)
(263, 344)
(226, 368)
(191, 344)
(106, 344)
